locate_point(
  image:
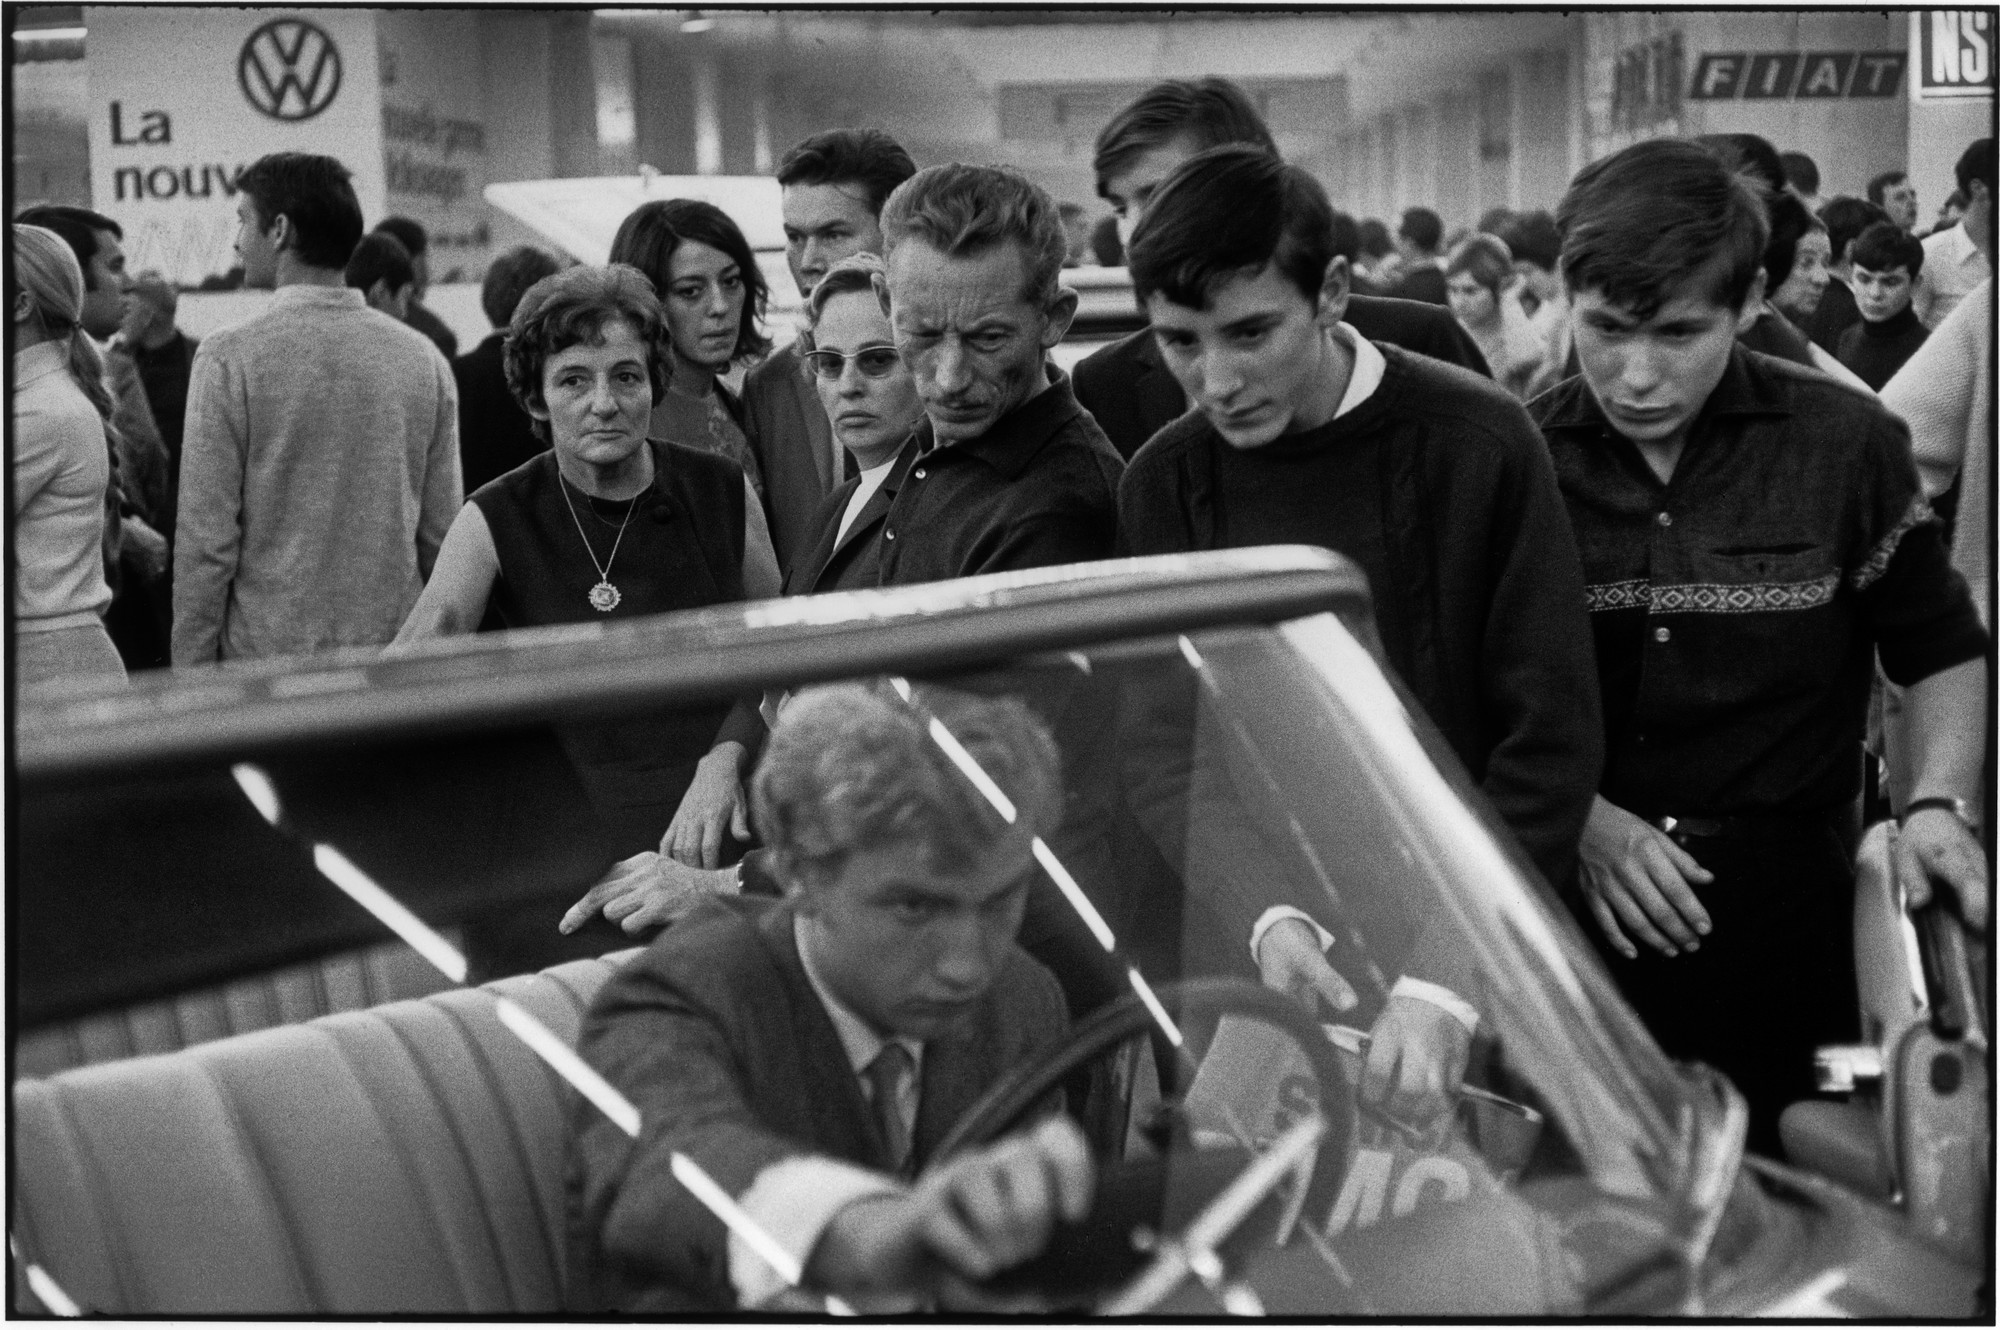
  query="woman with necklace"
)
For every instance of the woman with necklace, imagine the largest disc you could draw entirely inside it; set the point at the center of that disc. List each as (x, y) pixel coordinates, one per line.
(713, 295)
(611, 524)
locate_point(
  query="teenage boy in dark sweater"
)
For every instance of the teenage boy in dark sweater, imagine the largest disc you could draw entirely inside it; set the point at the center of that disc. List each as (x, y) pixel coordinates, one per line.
(1887, 260)
(1429, 477)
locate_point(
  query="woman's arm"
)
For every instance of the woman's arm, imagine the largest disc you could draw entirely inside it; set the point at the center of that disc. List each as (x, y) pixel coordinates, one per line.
(454, 600)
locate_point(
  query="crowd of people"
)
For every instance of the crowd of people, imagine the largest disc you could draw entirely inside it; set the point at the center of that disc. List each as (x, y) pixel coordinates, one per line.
(1643, 540)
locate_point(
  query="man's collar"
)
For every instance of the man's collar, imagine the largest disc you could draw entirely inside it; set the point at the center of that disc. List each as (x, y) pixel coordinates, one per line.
(1959, 245)
(858, 1039)
(1745, 390)
(309, 293)
(1369, 367)
(1011, 444)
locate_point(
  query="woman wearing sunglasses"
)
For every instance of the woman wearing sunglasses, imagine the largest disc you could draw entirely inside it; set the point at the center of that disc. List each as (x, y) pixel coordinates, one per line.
(872, 401)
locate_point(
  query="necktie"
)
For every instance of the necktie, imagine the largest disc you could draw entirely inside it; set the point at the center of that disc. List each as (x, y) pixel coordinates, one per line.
(885, 1074)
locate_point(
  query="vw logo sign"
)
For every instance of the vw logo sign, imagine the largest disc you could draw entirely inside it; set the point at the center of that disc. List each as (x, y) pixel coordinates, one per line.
(289, 69)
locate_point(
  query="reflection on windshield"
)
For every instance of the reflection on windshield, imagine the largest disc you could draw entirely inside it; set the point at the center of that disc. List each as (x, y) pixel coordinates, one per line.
(1222, 781)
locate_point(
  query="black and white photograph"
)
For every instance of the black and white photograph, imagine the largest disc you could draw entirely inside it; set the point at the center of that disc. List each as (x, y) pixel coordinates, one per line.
(1309, 663)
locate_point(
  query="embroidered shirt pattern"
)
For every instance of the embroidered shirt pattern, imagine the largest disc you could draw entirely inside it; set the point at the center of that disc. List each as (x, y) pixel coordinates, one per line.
(1877, 562)
(1713, 597)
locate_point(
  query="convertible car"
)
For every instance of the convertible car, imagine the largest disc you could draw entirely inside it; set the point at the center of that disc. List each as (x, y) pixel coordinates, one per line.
(1234, 753)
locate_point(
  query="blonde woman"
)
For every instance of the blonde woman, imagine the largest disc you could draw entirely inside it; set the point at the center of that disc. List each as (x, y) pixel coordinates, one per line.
(62, 472)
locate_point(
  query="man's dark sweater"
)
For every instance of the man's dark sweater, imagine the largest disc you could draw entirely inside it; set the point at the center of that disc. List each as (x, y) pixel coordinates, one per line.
(1440, 488)
(1875, 351)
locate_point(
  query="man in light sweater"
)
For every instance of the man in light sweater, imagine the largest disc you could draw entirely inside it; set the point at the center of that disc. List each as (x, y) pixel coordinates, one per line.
(320, 467)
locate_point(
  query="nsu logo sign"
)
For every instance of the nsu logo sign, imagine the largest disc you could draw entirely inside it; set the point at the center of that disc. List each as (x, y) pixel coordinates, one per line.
(289, 69)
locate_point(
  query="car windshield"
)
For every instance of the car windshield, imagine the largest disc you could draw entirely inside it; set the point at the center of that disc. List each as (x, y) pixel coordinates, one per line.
(1225, 786)
(1220, 778)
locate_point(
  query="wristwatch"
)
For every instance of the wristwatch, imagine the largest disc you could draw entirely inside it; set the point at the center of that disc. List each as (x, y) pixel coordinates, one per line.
(1958, 808)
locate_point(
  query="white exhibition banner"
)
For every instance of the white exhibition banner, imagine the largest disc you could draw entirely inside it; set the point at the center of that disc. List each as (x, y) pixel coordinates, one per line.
(182, 99)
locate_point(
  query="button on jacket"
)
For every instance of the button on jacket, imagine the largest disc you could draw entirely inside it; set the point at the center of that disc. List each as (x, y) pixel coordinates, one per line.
(1738, 608)
(1039, 488)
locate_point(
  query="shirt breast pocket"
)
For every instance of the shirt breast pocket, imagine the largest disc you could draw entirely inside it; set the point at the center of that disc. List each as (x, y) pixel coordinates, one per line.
(1772, 600)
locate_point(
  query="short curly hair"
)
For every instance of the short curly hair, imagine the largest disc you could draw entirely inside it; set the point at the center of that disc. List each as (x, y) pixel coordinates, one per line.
(851, 766)
(572, 307)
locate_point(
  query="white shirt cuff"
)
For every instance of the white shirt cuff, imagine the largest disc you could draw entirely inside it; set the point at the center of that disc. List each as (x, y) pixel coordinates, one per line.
(794, 1200)
(1438, 996)
(1278, 913)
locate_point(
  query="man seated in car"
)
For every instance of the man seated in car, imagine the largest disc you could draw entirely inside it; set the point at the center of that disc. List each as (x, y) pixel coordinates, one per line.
(810, 1052)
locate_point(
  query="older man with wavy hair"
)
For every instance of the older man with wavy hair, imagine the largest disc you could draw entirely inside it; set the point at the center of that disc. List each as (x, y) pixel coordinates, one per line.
(1011, 471)
(810, 1054)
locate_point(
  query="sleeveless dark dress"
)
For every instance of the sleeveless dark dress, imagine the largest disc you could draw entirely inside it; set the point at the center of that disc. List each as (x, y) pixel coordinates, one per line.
(681, 549)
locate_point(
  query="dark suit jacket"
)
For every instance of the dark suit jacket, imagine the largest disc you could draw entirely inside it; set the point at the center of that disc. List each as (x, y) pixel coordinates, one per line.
(433, 327)
(1133, 395)
(494, 434)
(715, 1033)
(855, 562)
(1424, 282)
(793, 441)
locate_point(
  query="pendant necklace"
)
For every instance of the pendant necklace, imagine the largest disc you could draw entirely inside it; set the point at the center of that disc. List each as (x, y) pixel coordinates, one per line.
(604, 597)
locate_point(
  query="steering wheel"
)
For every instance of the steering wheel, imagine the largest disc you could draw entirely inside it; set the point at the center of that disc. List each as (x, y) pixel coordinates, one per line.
(1135, 1195)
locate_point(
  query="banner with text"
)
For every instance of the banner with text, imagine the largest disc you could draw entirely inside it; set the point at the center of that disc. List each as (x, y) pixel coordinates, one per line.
(434, 150)
(182, 99)
(1953, 50)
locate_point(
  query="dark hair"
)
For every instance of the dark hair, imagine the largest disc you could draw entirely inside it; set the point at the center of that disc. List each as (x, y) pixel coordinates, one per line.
(380, 257)
(1886, 245)
(1975, 163)
(1485, 258)
(1845, 218)
(1225, 212)
(1422, 228)
(509, 276)
(1641, 223)
(409, 231)
(1346, 236)
(1785, 213)
(647, 240)
(1493, 221)
(572, 307)
(966, 210)
(865, 157)
(1207, 112)
(1532, 237)
(1801, 172)
(78, 227)
(317, 194)
(1880, 185)
(1373, 235)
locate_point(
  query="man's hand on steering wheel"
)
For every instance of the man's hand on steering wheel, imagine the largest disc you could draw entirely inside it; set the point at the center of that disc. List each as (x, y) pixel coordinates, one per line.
(1416, 1062)
(978, 1214)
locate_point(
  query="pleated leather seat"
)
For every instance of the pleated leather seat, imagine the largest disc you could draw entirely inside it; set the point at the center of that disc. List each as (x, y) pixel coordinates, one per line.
(405, 1159)
(349, 981)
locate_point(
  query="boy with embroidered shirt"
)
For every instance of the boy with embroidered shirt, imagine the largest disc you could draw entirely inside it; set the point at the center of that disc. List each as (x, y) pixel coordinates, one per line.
(1753, 535)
